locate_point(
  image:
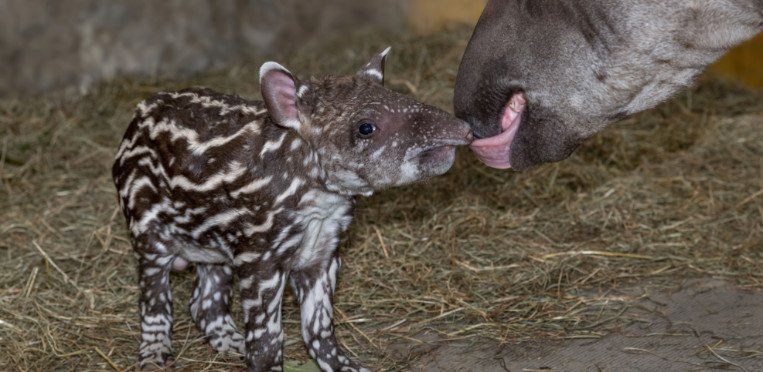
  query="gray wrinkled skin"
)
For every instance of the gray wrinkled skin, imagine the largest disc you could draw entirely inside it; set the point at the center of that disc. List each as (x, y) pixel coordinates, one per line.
(584, 64)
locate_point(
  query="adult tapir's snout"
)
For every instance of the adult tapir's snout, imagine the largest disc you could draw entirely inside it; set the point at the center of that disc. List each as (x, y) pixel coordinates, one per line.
(513, 128)
(504, 92)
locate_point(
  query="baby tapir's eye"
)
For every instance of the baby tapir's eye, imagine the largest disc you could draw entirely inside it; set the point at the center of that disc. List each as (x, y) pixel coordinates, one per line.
(366, 129)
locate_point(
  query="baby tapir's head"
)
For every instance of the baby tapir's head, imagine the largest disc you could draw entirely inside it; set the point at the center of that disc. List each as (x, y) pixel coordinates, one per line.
(367, 137)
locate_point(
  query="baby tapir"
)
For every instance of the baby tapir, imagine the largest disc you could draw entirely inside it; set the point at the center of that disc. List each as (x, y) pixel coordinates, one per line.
(262, 190)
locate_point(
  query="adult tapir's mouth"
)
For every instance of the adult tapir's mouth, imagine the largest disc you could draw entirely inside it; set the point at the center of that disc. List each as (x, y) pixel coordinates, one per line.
(495, 151)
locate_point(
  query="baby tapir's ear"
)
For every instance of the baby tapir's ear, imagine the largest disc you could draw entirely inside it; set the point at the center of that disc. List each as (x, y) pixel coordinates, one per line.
(374, 69)
(279, 91)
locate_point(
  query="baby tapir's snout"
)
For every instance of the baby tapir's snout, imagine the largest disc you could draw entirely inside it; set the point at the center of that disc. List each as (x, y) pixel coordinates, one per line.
(428, 143)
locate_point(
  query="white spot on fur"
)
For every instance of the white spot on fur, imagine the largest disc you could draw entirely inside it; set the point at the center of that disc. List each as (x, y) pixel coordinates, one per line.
(265, 226)
(376, 74)
(220, 220)
(235, 171)
(272, 145)
(251, 187)
(246, 257)
(295, 144)
(409, 172)
(377, 154)
(302, 90)
(292, 124)
(246, 283)
(295, 183)
(270, 283)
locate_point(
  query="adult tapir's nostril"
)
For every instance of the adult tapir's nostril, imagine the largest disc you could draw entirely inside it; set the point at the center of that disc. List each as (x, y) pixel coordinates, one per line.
(476, 127)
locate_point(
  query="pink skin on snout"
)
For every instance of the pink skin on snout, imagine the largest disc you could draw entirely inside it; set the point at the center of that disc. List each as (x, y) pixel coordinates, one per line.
(494, 151)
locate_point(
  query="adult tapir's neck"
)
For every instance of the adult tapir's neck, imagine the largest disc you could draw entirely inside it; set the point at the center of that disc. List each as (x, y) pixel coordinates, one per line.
(709, 24)
(668, 43)
(716, 25)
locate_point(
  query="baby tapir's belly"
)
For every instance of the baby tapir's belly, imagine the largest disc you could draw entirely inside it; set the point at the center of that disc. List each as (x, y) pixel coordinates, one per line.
(297, 237)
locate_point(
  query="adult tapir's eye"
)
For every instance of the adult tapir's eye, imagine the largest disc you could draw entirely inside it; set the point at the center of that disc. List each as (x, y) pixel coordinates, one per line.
(366, 129)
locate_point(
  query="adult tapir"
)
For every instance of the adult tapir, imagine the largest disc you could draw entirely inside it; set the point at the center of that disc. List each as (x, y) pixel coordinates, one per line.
(540, 76)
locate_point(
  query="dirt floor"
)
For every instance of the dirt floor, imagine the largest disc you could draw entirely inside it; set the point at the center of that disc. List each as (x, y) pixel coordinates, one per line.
(642, 251)
(699, 325)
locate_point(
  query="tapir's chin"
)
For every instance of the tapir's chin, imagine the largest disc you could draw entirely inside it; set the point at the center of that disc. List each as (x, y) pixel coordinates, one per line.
(425, 164)
(494, 151)
(437, 160)
(436, 157)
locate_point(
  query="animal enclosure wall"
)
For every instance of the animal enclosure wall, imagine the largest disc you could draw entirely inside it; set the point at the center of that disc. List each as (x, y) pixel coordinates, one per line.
(48, 45)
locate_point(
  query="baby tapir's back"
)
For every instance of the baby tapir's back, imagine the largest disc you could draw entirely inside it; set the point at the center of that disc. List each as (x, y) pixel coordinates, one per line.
(203, 167)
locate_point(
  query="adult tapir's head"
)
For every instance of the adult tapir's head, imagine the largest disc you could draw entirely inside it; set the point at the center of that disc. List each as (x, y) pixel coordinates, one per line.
(539, 77)
(367, 137)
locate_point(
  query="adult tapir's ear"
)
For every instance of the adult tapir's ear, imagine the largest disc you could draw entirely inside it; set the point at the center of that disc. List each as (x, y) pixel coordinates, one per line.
(279, 91)
(374, 69)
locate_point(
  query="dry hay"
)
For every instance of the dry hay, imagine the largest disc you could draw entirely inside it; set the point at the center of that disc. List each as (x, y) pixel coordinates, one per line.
(669, 194)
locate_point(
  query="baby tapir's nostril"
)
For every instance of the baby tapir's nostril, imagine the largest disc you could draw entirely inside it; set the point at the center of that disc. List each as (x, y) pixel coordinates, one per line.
(470, 136)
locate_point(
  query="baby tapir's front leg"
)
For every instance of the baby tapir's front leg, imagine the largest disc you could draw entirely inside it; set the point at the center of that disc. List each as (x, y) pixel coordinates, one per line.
(314, 286)
(261, 283)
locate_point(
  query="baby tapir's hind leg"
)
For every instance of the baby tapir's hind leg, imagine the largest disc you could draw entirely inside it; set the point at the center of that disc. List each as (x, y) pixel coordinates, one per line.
(210, 307)
(155, 310)
(314, 286)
